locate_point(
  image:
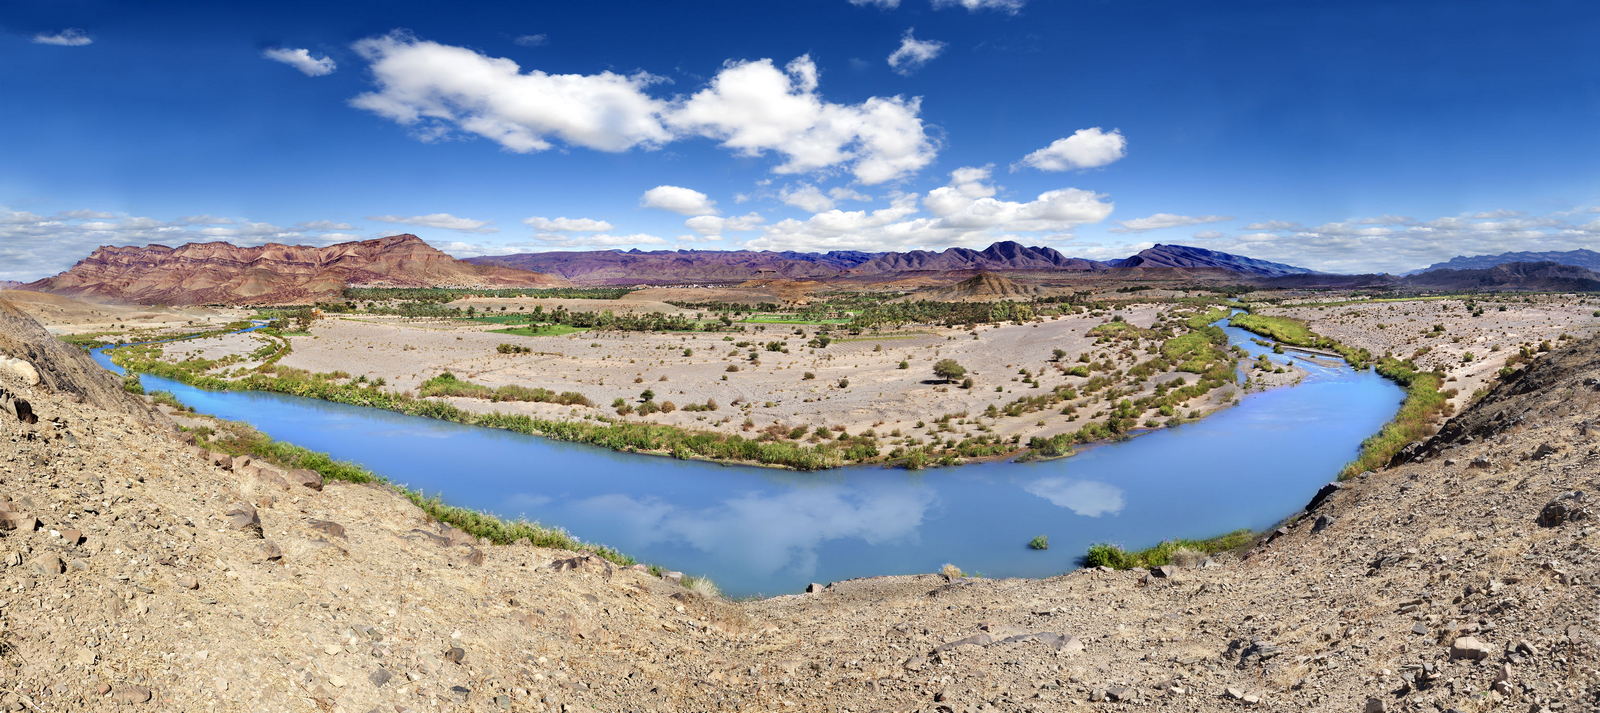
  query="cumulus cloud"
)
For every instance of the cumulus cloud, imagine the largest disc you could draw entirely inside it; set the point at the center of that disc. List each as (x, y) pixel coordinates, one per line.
(34, 246)
(913, 53)
(325, 225)
(598, 240)
(443, 221)
(567, 225)
(1166, 220)
(685, 201)
(751, 107)
(889, 4)
(755, 107)
(70, 37)
(708, 225)
(303, 60)
(1085, 148)
(806, 197)
(964, 212)
(538, 40)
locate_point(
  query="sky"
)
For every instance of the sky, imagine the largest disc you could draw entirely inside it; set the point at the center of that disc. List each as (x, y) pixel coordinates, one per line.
(1351, 137)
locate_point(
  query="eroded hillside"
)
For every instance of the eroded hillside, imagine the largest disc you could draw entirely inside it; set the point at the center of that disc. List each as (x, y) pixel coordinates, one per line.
(138, 572)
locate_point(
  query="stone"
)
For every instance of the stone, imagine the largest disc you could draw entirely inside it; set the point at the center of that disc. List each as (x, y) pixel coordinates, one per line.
(1163, 571)
(1322, 495)
(1234, 693)
(131, 694)
(1121, 693)
(1323, 522)
(305, 477)
(455, 654)
(1467, 647)
(379, 677)
(813, 588)
(327, 527)
(47, 563)
(18, 521)
(475, 557)
(269, 551)
(72, 537)
(674, 577)
(1375, 705)
(188, 581)
(238, 463)
(243, 516)
(1567, 507)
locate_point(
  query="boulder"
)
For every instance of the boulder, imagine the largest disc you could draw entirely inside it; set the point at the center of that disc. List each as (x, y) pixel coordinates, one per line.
(1467, 647)
(243, 516)
(1567, 507)
(305, 477)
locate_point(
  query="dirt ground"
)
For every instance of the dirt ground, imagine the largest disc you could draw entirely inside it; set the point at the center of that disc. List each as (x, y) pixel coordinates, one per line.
(1405, 328)
(68, 315)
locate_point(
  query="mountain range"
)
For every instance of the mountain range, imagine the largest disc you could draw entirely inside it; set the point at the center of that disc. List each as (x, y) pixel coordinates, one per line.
(1587, 259)
(597, 267)
(201, 273)
(218, 272)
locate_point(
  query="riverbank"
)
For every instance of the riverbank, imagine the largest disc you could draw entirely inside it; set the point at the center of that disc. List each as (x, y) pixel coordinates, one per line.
(1145, 393)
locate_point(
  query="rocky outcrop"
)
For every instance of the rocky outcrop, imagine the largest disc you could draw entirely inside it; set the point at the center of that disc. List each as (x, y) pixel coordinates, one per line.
(32, 359)
(981, 287)
(220, 273)
(1536, 276)
(1006, 255)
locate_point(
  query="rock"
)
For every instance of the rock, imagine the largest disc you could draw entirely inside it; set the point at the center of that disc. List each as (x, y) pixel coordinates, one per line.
(18, 521)
(1323, 522)
(1163, 571)
(1375, 705)
(72, 537)
(455, 654)
(268, 551)
(813, 588)
(1566, 507)
(20, 370)
(188, 581)
(243, 516)
(1467, 647)
(1322, 495)
(221, 460)
(1234, 693)
(238, 463)
(1545, 450)
(674, 577)
(328, 527)
(379, 677)
(48, 563)
(131, 694)
(306, 477)
(475, 557)
(1481, 462)
(1121, 693)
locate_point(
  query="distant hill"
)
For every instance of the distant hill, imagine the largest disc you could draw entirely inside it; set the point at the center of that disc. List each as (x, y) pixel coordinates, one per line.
(680, 266)
(1532, 276)
(731, 266)
(982, 286)
(1191, 257)
(1006, 255)
(1581, 257)
(9, 284)
(202, 273)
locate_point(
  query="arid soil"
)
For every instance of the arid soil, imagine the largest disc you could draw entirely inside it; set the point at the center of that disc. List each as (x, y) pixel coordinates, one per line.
(133, 577)
(856, 382)
(1470, 349)
(70, 315)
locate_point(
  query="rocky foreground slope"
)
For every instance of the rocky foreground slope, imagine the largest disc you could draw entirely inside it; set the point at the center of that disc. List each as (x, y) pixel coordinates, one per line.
(140, 573)
(220, 273)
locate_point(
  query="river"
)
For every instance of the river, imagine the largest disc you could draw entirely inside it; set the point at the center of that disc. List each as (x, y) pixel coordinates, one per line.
(764, 531)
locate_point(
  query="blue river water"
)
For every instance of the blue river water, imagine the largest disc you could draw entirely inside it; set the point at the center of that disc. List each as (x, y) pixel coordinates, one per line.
(764, 531)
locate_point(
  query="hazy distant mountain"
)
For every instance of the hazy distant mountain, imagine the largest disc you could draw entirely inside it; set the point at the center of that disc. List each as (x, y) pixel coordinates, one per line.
(1534, 276)
(598, 267)
(691, 266)
(1588, 259)
(200, 273)
(1191, 257)
(9, 285)
(1005, 255)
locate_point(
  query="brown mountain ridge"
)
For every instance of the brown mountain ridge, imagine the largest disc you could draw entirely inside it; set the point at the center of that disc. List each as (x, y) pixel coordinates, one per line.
(219, 272)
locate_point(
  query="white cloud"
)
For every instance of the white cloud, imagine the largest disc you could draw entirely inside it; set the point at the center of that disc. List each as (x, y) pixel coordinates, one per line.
(436, 87)
(34, 246)
(752, 107)
(70, 37)
(974, 5)
(1085, 148)
(964, 212)
(567, 225)
(443, 221)
(913, 53)
(538, 40)
(806, 197)
(302, 60)
(685, 201)
(843, 193)
(1166, 220)
(716, 225)
(1089, 498)
(599, 240)
(889, 4)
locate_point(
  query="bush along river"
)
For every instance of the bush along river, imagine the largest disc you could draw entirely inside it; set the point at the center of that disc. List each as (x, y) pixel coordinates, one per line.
(763, 531)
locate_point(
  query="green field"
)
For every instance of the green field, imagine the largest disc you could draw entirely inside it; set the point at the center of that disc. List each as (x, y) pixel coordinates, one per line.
(541, 330)
(791, 319)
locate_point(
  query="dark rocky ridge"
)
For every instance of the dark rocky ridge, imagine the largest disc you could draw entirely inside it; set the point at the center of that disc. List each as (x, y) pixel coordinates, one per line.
(1581, 257)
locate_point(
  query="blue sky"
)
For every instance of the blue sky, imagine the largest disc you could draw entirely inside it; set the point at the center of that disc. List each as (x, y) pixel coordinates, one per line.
(1345, 136)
